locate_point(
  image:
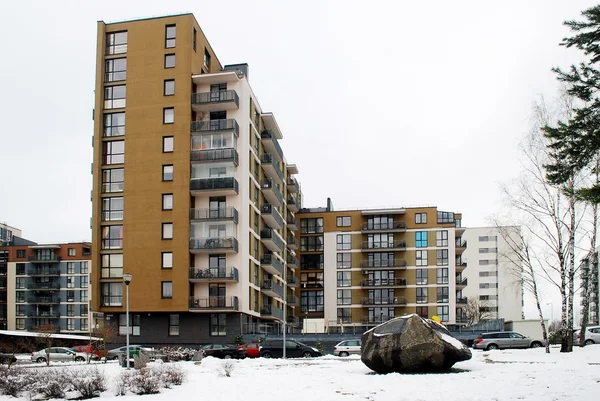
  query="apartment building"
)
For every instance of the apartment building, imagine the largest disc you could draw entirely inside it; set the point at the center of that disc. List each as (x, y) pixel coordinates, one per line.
(45, 286)
(192, 194)
(494, 279)
(362, 267)
(589, 268)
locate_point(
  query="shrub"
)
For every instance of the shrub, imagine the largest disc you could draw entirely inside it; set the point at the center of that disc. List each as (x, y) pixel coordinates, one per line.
(172, 375)
(176, 354)
(227, 368)
(89, 383)
(123, 384)
(14, 381)
(52, 383)
(146, 381)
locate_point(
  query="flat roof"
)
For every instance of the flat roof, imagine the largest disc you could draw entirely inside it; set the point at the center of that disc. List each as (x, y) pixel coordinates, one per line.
(35, 334)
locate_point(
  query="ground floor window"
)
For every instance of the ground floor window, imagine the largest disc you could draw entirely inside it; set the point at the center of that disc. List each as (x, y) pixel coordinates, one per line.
(173, 325)
(134, 325)
(443, 312)
(217, 324)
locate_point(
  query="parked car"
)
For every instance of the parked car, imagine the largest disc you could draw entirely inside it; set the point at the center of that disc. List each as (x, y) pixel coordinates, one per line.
(6, 358)
(252, 349)
(347, 347)
(293, 349)
(133, 350)
(592, 335)
(225, 351)
(88, 349)
(58, 354)
(505, 339)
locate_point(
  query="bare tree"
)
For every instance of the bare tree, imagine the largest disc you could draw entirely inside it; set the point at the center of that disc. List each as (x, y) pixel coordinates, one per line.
(46, 338)
(99, 337)
(16, 346)
(477, 311)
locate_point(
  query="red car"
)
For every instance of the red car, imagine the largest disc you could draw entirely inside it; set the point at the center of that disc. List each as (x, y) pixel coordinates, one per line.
(88, 349)
(250, 348)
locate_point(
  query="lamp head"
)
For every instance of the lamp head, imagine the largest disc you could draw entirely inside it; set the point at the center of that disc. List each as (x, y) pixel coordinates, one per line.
(127, 278)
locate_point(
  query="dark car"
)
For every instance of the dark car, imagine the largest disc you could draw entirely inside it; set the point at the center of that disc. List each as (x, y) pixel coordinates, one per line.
(224, 351)
(7, 358)
(293, 349)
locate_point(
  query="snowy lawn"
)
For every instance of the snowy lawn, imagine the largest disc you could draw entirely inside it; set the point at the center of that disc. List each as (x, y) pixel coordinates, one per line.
(495, 375)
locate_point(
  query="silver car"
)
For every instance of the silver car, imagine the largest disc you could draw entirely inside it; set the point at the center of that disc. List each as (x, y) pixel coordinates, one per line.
(56, 354)
(505, 339)
(347, 347)
(592, 335)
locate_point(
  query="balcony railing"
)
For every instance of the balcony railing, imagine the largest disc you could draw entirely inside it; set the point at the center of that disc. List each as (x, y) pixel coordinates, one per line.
(44, 314)
(37, 299)
(272, 193)
(383, 226)
(270, 136)
(293, 242)
(215, 155)
(376, 264)
(292, 281)
(293, 300)
(213, 303)
(270, 212)
(292, 223)
(215, 125)
(214, 184)
(292, 203)
(270, 263)
(272, 287)
(226, 243)
(461, 300)
(228, 273)
(111, 300)
(460, 243)
(376, 319)
(461, 281)
(43, 285)
(271, 311)
(225, 213)
(292, 184)
(384, 245)
(44, 258)
(44, 271)
(384, 301)
(267, 160)
(271, 240)
(222, 96)
(292, 260)
(384, 282)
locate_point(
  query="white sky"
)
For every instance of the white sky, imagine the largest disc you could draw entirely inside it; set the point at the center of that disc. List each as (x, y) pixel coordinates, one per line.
(393, 104)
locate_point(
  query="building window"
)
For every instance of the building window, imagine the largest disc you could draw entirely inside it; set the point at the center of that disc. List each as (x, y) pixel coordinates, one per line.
(113, 152)
(83, 295)
(83, 310)
(443, 295)
(421, 218)
(71, 310)
(112, 209)
(421, 295)
(442, 275)
(344, 315)
(84, 324)
(380, 240)
(421, 276)
(174, 325)
(20, 324)
(482, 250)
(167, 173)
(70, 268)
(168, 142)
(311, 301)
(344, 242)
(442, 257)
(167, 260)
(112, 265)
(344, 297)
(114, 124)
(84, 267)
(423, 312)
(311, 262)
(167, 230)
(71, 252)
(218, 324)
(84, 282)
(70, 295)
(70, 282)
(112, 237)
(194, 39)
(20, 253)
(443, 313)
(344, 221)
(116, 42)
(207, 59)
(311, 244)
(170, 33)
(169, 61)
(486, 238)
(114, 97)
(167, 289)
(311, 226)
(19, 296)
(421, 239)
(70, 324)
(112, 180)
(115, 70)
(344, 279)
(441, 238)
(311, 280)
(484, 297)
(344, 260)
(168, 115)
(20, 282)
(421, 258)
(134, 324)
(445, 217)
(167, 202)
(484, 286)
(169, 87)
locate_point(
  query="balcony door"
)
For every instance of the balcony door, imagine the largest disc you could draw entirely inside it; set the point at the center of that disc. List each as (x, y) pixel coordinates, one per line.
(217, 207)
(217, 231)
(216, 264)
(218, 92)
(217, 294)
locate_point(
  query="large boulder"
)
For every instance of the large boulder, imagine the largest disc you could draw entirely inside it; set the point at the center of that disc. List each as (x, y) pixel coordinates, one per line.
(411, 344)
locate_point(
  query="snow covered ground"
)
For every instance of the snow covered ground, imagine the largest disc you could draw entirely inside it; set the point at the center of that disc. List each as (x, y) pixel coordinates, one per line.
(495, 375)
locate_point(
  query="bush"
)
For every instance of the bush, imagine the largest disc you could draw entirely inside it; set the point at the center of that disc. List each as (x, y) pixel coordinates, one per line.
(172, 375)
(227, 368)
(146, 381)
(173, 354)
(51, 383)
(14, 381)
(89, 384)
(124, 382)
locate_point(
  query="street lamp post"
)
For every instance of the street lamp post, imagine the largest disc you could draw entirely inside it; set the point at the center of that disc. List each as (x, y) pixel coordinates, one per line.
(127, 279)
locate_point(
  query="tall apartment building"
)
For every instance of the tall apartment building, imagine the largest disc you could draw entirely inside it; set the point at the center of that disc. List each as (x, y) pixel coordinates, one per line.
(589, 267)
(361, 267)
(492, 275)
(191, 193)
(45, 286)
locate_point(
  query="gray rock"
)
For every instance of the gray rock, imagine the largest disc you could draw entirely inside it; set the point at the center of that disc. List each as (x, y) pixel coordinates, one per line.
(410, 344)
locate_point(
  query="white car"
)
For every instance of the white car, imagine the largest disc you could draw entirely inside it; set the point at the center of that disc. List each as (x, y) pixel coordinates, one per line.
(347, 347)
(592, 335)
(58, 354)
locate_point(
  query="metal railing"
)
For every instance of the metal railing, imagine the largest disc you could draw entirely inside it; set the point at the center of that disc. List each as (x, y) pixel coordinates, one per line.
(214, 273)
(44, 314)
(269, 234)
(46, 285)
(44, 271)
(384, 245)
(36, 299)
(269, 259)
(461, 300)
(383, 263)
(393, 225)
(215, 125)
(293, 300)
(214, 303)
(292, 260)
(268, 134)
(214, 243)
(384, 301)
(271, 285)
(461, 281)
(269, 185)
(292, 182)
(214, 184)
(270, 210)
(292, 221)
(268, 159)
(293, 241)
(44, 258)
(292, 280)
(460, 243)
(214, 214)
(376, 319)
(211, 155)
(383, 282)
(270, 310)
(200, 98)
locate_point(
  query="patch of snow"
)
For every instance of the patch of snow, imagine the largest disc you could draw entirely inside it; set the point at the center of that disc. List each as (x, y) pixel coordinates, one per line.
(452, 341)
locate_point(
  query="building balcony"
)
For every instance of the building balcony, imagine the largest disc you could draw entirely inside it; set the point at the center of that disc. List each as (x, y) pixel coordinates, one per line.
(271, 216)
(383, 282)
(271, 312)
(111, 300)
(293, 243)
(292, 185)
(293, 281)
(271, 240)
(370, 246)
(394, 301)
(214, 155)
(385, 264)
(49, 314)
(271, 144)
(394, 226)
(460, 265)
(461, 301)
(292, 261)
(375, 320)
(271, 264)
(271, 288)
(221, 186)
(43, 286)
(292, 204)
(271, 167)
(461, 282)
(214, 304)
(215, 244)
(43, 271)
(215, 100)
(43, 299)
(272, 193)
(208, 214)
(44, 259)
(460, 246)
(205, 126)
(292, 223)
(293, 301)
(213, 274)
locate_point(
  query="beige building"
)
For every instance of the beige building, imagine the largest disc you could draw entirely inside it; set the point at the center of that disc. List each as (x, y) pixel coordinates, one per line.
(192, 194)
